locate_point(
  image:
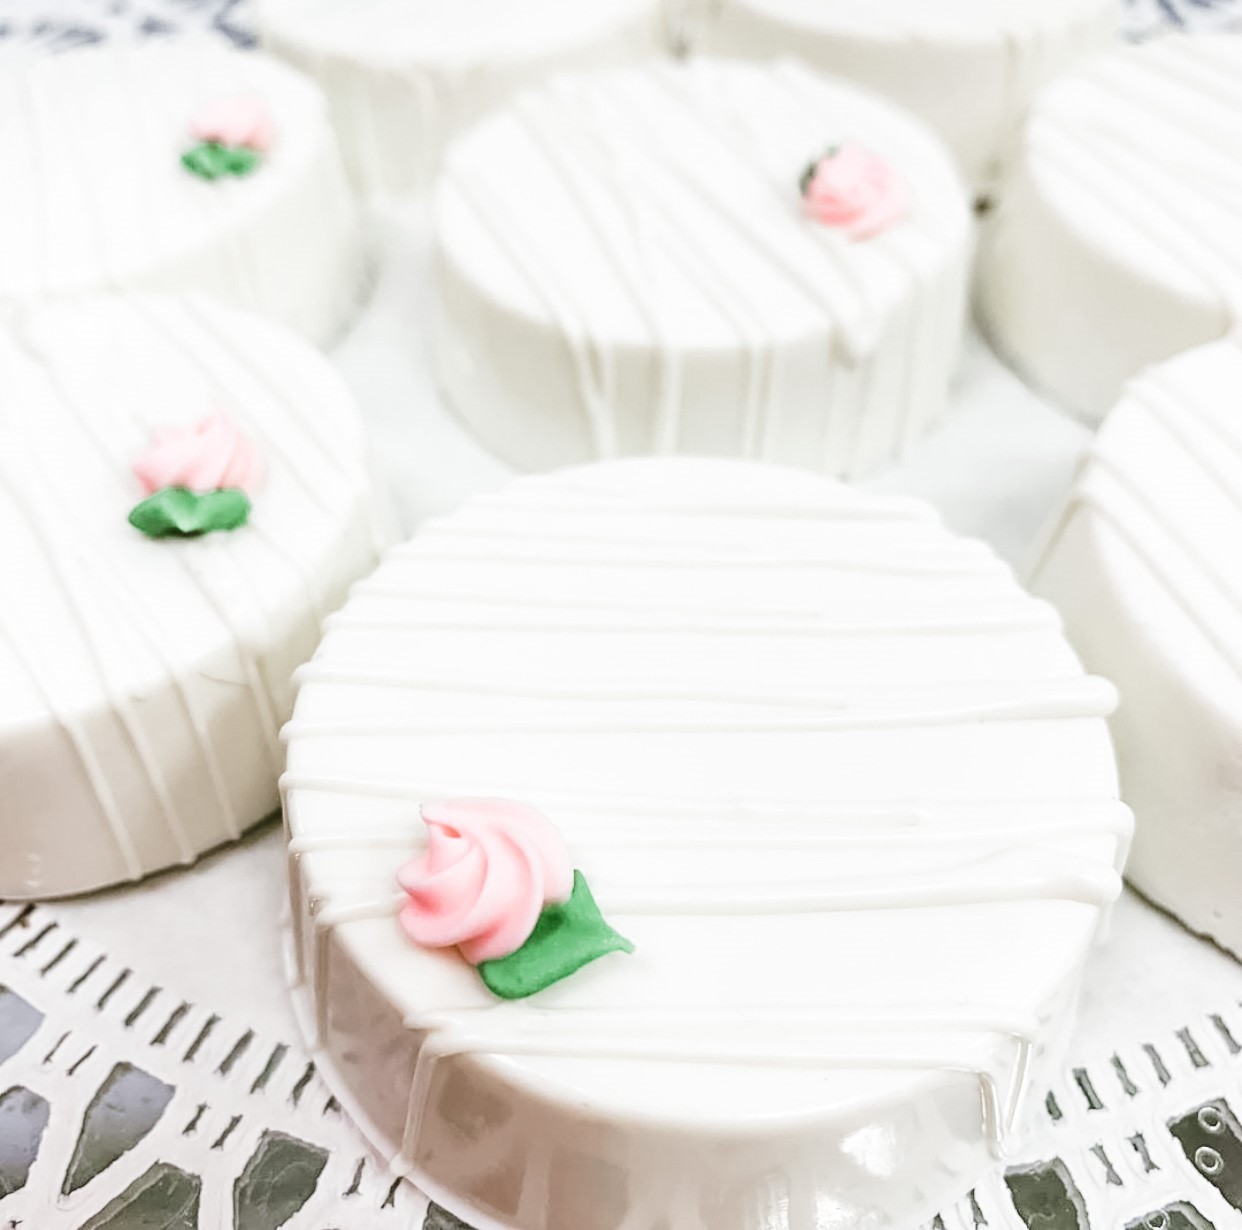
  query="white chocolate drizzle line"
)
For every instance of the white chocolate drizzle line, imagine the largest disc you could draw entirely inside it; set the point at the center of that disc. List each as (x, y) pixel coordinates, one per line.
(564, 495)
(651, 620)
(1076, 697)
(608, 554)
(903, 814)
(1115, 823)
(1077, 689)
(326, 918)
(1012, 874)
(585, 813)
(641, 560)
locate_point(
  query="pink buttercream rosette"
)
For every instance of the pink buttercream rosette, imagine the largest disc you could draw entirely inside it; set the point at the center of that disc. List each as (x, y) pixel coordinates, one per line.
(854, 190)
(243, 121)
(490, 868)
(210, 455)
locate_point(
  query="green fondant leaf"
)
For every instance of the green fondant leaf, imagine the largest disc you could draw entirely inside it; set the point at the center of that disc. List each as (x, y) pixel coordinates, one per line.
(178, 512)
(565, 938)
(210, 160)
(242, 161)
(206, 160)
(808, 172)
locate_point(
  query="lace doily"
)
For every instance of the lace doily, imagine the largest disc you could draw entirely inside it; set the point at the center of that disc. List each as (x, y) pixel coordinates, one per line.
(56, 25)
(59, 25)
(124, 1105)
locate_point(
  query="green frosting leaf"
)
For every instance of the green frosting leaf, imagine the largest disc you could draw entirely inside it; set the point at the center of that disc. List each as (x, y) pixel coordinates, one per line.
(808, 173)
(565, 938)
(178, 512)
(210, 160)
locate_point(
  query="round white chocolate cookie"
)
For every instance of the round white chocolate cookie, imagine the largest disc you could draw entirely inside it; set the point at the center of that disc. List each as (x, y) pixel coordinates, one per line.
(143, 681)
(1143, 563)
(97, 196)
(627, 264)
(835, 775)
(968, 67)
(1118, 245)
(403, 76)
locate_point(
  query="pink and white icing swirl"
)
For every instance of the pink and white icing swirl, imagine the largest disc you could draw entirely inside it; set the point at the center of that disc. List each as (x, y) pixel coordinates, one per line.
(209, 455)
(243, 120)
(490, 868)
(854, 190)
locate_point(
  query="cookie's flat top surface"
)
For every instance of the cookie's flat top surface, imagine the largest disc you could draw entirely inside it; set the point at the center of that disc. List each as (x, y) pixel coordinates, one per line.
(660, 205)
(833, 771)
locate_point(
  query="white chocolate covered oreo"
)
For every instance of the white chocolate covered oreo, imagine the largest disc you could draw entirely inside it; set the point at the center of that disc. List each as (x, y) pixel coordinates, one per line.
(834, 777)
(1118, 244)
(184, 495)
(711, 258)
(1143, 563)
(176, 167)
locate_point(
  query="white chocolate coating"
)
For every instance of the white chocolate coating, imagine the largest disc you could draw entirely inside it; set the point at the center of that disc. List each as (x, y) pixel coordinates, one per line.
(1118, 244)
(143, 683)
(405, 76)
(839, 778)
(969, 68)
(624, 267)
(1143, 563)
(96, 199)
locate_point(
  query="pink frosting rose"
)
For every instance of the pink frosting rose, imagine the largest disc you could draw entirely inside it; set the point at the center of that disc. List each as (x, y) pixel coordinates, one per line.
(490, 868)
(205, 456)
(854, 190)
(243, 120)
